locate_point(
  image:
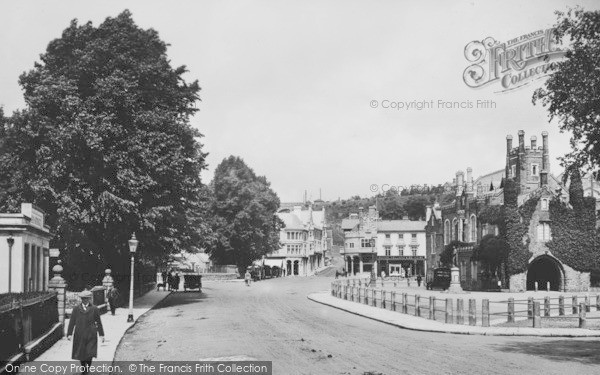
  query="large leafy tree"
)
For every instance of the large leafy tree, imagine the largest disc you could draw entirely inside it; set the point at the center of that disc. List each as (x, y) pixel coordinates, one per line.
(105, 147)
(492, 251)
(572, 93)
(415, 207)
(392, 207)
(245, 220)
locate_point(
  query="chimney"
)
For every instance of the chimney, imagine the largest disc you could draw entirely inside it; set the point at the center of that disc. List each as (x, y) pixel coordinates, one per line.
(509, 139)
(460, 178)
(521, 177)
(469, 180)
(545, 160)
(533, 142)
(373, 212)
(521, 141)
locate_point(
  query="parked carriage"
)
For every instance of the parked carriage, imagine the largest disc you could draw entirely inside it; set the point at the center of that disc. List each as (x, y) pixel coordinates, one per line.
(192, 281)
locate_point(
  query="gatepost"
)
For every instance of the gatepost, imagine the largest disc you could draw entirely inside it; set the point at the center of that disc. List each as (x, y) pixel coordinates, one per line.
(59, 285)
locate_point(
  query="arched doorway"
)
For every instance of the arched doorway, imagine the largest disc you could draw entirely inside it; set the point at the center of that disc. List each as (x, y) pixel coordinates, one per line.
(289, 268)
(295, 268)
(545, 269)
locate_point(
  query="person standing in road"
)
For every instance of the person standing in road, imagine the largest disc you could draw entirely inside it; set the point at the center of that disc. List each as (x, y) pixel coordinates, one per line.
(85, 321)
(419, 280)
(113, 299)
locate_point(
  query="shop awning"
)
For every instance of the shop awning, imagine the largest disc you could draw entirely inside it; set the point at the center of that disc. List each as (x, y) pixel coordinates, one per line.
(274, 263)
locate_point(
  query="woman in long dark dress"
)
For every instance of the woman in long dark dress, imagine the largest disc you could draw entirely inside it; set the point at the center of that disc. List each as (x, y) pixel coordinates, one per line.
(85, 321)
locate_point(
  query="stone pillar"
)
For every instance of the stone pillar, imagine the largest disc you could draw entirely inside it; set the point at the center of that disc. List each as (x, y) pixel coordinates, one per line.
(455, 281)
(351, 266)
(360, 263)
(46, 268)
(59, 285)
(40, 275)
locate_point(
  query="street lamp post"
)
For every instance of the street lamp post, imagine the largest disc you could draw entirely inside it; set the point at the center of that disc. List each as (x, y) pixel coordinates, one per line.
(10, 241)
(133, 242)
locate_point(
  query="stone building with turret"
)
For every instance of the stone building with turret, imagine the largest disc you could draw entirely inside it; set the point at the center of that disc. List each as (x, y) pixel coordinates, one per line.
(465, 221)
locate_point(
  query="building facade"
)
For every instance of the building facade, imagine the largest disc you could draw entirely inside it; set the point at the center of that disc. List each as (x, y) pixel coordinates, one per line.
(304, 242)
(394, 247)
(463, 222)
(24, 250)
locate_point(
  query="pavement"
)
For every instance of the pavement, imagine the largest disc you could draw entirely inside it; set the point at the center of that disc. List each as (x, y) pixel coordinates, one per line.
(114, 329)
(422, 324)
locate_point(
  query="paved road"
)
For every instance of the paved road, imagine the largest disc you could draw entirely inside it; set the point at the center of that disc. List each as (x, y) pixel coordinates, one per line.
(273, 320)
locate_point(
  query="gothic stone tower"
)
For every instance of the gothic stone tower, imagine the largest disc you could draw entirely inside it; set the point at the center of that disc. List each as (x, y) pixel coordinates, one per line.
(528, 165)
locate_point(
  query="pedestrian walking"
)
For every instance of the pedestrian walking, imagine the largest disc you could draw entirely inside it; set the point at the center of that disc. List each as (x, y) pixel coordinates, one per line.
(419, 279)
(247, 277)
(113, 299)
(85, 322)
(176, 281)
(169, 280)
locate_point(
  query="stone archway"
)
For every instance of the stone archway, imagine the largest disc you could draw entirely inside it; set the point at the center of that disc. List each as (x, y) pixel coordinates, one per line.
(544, 269)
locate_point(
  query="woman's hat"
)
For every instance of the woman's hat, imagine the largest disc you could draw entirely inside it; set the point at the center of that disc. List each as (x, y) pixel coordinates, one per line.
(85, 294)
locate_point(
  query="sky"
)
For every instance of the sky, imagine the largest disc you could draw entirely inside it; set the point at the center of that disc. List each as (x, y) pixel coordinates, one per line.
(303, 90)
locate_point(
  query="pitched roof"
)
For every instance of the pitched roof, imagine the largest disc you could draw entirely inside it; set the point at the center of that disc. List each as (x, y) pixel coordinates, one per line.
(349, 224)
(290, 220)
(400, 226)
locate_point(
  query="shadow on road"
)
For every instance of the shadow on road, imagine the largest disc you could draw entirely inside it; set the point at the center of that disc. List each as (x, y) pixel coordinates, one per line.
(571, 350)
(180, 299)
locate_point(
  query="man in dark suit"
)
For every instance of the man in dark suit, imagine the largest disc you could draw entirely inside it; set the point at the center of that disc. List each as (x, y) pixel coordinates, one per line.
(85, 320)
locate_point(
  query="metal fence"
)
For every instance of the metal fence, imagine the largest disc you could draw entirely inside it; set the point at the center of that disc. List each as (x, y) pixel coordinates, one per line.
(24, 321)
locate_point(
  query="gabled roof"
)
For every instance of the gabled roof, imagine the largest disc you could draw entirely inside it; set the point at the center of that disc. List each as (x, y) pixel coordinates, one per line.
(349, 224)
(400, 226)
(491, 178)
(291, 221)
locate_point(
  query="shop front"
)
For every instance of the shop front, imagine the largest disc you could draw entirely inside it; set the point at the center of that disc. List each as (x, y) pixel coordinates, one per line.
(405, 266)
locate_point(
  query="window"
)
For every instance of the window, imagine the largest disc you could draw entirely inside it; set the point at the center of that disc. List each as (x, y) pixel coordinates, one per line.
(414, 250)
(401, 249)
(535, 170)
(473, 225)
(433, 244)
(388, 251)
(454, 229)
(446, 232)
(544, 232)
(387, 235)
(513, 171)
(544, 204)
(414, 236)
(365, 242)
(351, 245)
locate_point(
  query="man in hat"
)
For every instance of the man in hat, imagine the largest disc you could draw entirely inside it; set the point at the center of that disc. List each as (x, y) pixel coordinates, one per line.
(85, 319)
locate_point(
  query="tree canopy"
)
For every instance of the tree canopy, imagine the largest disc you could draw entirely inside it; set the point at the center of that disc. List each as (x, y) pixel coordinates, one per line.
(492, 251)
(244, 209)
(105, 147)
(572, 92)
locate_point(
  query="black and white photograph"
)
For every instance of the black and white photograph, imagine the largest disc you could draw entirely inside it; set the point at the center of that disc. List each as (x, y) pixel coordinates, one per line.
(333, 187)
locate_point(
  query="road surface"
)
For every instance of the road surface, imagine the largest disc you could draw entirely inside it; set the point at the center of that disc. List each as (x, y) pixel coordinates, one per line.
(273, 320)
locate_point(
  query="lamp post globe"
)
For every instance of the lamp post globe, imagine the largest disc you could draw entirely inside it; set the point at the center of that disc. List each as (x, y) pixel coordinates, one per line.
(133, 243)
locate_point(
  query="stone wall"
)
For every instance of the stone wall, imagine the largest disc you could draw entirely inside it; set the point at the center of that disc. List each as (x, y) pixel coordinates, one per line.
(576, 281)
(518, 282)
